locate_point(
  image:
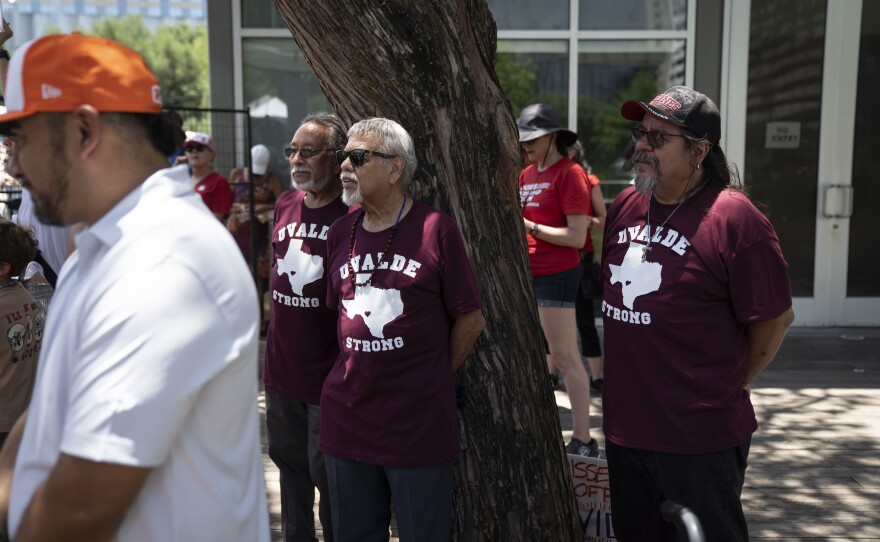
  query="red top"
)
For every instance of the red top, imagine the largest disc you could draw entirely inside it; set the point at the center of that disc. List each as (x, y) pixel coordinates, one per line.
(546, 197)
(594, 182)
(216, 193)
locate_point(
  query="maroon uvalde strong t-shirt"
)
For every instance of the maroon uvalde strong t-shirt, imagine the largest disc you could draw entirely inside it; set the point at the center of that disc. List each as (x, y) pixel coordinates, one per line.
(676, 324)
(301, 343)
(389, 399)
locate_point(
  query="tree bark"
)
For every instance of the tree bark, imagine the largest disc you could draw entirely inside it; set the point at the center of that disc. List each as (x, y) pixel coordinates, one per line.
(430, 65)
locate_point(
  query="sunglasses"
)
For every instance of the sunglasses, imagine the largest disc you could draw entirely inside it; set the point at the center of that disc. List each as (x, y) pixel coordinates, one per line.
(305, 152)
(195, 148)
(655, 139)
(357, 156)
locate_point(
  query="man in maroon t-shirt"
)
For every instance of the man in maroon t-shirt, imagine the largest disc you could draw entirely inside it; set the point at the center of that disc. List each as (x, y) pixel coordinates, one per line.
(696, 303)
(409, 314)
(301, 343)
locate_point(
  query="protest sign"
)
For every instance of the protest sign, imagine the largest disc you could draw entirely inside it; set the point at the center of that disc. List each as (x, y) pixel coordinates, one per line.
(589, 481)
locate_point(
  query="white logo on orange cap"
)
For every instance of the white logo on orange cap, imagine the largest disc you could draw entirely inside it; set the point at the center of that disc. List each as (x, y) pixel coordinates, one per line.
(157, 95)
(49, 92)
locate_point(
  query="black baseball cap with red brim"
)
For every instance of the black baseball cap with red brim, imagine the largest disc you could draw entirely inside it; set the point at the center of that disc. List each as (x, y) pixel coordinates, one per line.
(683, 107)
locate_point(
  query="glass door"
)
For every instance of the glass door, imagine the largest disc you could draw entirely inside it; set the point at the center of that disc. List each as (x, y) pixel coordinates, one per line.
(863, 256)
(807, 144)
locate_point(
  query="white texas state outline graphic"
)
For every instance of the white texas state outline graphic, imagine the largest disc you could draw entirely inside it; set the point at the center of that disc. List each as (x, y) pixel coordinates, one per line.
(301, 268)
(636, 277)
(377, 306)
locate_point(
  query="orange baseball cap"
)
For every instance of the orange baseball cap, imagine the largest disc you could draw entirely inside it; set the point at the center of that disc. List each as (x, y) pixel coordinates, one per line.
(61, 72)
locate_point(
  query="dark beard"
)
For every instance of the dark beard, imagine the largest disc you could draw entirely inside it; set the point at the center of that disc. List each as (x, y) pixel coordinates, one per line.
(48, 210)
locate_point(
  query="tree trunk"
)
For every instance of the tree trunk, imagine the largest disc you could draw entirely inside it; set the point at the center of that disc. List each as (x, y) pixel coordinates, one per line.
(430, 65)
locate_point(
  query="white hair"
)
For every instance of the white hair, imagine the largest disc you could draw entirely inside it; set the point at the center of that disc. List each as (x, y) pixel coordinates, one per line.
(395, 140)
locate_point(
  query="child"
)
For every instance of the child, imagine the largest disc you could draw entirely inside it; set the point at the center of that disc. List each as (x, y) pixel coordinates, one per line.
(21, 323)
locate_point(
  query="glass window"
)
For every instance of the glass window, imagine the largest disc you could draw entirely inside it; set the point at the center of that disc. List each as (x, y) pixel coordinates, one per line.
(786, 48)
(532, 72)
(530, 14)
(95, 7)
(609, 73)
(68, 7)
(192, 8)
(148, 8)
(632, 15)
(279, 89)
(260, 14)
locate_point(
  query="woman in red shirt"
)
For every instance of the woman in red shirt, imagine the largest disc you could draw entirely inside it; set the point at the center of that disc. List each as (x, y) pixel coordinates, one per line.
(555, 197)
(210, 185)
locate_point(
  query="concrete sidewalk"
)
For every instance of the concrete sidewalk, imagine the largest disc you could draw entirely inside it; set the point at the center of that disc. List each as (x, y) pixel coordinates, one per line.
(814, 465)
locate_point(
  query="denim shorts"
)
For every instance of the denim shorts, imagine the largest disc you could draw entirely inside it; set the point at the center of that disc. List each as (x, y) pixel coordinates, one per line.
(558, 289)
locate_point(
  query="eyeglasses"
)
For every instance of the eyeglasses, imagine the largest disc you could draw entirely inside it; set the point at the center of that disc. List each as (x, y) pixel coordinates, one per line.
(305, 152)
(655, 139)
(195, 148)
(357, 156)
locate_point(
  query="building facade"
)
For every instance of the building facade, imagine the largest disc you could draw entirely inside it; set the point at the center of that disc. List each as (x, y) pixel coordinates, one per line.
(793, 79)
(30, 19)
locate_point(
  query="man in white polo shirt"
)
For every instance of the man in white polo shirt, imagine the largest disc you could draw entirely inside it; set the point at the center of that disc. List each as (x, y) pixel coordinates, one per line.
(144, 421)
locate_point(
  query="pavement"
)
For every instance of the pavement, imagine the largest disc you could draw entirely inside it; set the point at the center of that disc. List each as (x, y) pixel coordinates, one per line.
(814, 464)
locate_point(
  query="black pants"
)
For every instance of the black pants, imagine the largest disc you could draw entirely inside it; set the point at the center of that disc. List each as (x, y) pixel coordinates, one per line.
(362, 494)
(709, 485)
(292, 428)
(586, 318)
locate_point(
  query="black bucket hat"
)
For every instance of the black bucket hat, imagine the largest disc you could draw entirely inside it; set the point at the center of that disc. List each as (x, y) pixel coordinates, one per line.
(538, 120)
(683, 107)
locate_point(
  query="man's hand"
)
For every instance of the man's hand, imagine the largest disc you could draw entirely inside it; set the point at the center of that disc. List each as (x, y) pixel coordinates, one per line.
(765, 338)
(464, 334)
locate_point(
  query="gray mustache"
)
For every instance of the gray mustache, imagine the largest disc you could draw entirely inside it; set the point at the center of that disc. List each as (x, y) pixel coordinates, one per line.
(645, 157)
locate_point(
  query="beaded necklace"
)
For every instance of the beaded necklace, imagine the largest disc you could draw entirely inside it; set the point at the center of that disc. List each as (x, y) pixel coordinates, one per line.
(354, 226)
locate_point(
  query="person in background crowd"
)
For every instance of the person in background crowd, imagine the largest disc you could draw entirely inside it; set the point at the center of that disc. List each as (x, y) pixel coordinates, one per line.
(143, 423)
(589, 286)
(210, 185)
(267, 188)
(555, 197)
(696, 304)
(409, 314)
(301, 343)
(21, 322)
